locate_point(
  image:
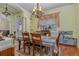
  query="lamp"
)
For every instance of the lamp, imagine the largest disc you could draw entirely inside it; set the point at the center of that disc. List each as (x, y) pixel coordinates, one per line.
(37, 11)
(5, 12)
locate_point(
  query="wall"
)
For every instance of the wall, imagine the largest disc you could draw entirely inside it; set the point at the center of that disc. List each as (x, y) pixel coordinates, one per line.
(77, 23)
(4, 24)
(10, 23)
(26, 20)
(69, 19)
(13, 18)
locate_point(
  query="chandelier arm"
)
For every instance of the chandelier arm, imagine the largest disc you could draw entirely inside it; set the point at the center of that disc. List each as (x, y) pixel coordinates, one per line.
(6, 9)
(37, 11)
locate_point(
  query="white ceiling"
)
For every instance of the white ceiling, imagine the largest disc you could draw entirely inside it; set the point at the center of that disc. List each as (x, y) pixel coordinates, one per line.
(45, 6)
(12, 8)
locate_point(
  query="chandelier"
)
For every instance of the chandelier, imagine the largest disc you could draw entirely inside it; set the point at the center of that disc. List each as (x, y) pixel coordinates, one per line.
(6, 12)
(37, 11)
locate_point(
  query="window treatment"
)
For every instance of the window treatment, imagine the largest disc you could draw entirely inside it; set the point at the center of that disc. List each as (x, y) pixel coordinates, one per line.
(53, 16)
(49, 22)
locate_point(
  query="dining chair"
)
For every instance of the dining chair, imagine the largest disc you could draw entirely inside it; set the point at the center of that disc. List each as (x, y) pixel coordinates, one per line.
(56, 50)
(26, 41)
(37, 42)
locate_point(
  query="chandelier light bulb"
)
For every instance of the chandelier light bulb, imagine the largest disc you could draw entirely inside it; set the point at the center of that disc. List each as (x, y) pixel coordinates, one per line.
(37, 10)
(40, 8)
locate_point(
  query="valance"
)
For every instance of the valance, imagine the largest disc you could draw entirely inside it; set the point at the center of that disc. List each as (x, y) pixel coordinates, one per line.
(53, 16)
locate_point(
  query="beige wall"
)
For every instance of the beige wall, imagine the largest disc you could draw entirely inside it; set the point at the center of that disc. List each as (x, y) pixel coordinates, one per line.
(26, 21)
(13, 18)
(77, 23)
(4, 24)
(69, 19)
(10, 24)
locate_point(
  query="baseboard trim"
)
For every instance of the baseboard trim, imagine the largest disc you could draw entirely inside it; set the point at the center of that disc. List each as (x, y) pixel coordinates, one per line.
(67, 45)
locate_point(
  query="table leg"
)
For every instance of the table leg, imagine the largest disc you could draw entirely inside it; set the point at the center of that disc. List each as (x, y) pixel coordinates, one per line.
(51, 52)
(19, 44)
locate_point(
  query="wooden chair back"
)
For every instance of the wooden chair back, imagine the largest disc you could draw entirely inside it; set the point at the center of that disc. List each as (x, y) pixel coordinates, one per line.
(26, 37)
(36, 39)
(26, 41)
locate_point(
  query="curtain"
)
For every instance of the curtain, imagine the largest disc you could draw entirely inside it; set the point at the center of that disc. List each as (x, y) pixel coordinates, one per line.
(53, 16)
(49, 22)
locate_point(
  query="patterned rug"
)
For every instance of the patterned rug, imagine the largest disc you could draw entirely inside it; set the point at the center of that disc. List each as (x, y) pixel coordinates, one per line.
(21, 52)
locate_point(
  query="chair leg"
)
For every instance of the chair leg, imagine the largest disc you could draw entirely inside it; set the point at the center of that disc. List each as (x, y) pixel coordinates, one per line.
(19, 44)
(24, 48)
(33, 51)
(46, 50)
(53, 54)
(29, 50)
(40, 50)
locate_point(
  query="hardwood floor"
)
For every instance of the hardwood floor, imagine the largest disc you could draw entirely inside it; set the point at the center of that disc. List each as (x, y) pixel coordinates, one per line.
(69, 50)
(65, 50)
(8, 52)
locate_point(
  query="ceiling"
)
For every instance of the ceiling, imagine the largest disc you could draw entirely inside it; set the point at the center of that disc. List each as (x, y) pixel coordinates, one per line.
(45, 6)
(12, 8)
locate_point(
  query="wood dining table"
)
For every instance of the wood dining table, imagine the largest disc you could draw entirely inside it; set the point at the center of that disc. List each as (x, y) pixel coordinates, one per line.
(46, 41)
